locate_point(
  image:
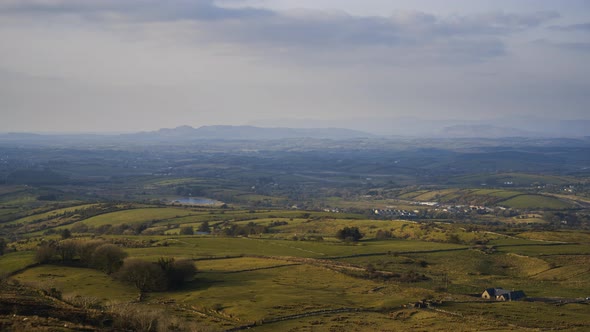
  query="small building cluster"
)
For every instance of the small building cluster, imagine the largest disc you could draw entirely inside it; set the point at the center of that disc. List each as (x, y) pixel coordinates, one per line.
(403, 214)
(500, 294)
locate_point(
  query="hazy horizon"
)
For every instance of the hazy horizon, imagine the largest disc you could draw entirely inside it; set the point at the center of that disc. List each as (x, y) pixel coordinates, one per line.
(103, 66)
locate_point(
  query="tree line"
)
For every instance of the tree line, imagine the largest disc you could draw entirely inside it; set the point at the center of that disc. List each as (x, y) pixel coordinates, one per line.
(167, 273)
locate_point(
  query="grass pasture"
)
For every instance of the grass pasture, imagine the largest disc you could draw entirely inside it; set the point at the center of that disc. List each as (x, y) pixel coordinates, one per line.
(246, 280)
(72, 281)
(561, 236)
(570, 273)
(535, 201)
(413, 194)
(434, 195)
(452, 194)
(394, 320)
(547, 249)
(518, 179)
(260, 294)
(526, 315)
(15, 261)
(497, 193)
(49, 215)
(467, 271)
(298, 276)
(136, 216)
(508, 198)
(206, 246)
(240, 264)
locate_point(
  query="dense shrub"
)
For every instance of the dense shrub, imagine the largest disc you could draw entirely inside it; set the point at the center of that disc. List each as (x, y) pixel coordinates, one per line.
(187, 230)
(93, 253)
(204, 227)
(86, 250)
(244, 230)
(349, 234)
(66, 250)
(166, 273)
(45, 254)
(107, 258)
(146, 276)
(177, 271)
(3, 245)
(383, 235)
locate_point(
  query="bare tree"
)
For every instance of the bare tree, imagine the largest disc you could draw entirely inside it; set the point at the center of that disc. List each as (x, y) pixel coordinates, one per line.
(144, 275)
(66, 250)
(3, 245)
(45, 254)
(108, 258)
(187, 230)
(177, 271)
(86, 250)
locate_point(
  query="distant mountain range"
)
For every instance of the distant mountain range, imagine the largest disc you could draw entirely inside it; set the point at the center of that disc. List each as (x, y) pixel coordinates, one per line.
(398, 129)
(450, 128)
(484, 131)
(248, 133)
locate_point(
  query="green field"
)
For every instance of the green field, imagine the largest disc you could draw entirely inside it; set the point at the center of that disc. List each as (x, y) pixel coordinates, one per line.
(245, 280)
(78, 282)
(11, 262)
(561, 236)
(490, 197)
(49, 215)
(297, 275)
(518, 179)
(535, 201)
(533, 316)
(497, 193)
(135, 216)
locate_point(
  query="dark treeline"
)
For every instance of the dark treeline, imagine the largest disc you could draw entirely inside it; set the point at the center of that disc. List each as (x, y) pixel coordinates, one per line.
(167, 273)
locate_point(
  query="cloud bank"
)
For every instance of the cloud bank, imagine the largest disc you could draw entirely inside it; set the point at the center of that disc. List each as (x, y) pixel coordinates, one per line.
(72, 64)
(474, 37)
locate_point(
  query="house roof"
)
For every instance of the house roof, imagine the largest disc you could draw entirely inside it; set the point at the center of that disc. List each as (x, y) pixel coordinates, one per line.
(500, 292)
(495, 291)
(517, 294)
(514, 295)
(508, 295)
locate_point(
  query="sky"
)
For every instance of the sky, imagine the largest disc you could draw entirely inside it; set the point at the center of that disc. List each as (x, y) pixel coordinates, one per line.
(135, 65)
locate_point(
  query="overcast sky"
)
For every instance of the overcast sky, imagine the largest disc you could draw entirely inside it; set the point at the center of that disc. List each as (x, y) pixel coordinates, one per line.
(129, 65)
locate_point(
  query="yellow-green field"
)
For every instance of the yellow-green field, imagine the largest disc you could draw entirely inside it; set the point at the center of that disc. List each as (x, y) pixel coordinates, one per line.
(15, 261)
(49, 215)
(299, 276)
(491, 197)
(561, 236)
(527, 316)
(136, 216)
(535, 201)
(273, 282)
(78, 281)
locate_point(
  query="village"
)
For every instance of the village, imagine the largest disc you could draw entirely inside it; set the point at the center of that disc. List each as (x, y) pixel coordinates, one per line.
(435, 210)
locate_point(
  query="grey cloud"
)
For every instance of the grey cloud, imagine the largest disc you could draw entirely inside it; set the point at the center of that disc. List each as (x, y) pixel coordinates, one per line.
(418, 36)
(570, 46)
(460, 38)
(578, 47)
(585, 27)
(293, 26)
(495, 23)
(406, 36)
(144, 10)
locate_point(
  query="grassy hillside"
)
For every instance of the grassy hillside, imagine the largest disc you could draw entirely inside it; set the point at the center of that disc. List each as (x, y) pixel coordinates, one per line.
(298, 275)
(536, 201)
